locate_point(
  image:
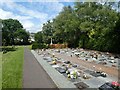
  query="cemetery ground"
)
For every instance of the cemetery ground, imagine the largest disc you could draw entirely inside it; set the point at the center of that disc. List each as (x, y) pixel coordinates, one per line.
(26, 68)
(12, 67)
(89, 72)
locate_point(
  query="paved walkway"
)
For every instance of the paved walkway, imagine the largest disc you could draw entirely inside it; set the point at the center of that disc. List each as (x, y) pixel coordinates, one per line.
(34, 75)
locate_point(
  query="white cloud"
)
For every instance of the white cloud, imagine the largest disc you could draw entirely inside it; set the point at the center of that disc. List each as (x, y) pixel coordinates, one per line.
(23, 19)
(27, 24)
(55, 6)
(66, 0)
(26, 15)
(35, 14)
(37, 0)
(5, 14)
(35, 28)
(45, 0)
(32, 13)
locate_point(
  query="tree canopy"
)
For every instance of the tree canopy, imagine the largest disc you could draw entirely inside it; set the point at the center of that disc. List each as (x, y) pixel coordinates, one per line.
(13, 32)
(88, 25)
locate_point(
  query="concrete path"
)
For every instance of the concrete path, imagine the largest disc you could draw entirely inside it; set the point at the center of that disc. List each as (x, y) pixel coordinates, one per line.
(34, 75)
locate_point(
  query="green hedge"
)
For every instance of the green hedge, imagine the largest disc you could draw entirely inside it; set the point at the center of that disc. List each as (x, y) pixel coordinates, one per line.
(39, 45)
(35, 46)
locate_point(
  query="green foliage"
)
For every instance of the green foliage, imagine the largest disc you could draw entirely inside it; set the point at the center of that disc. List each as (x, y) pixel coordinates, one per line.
(35, 45)
(6, 49)
(12, 68)
(88, 25)
(13, 32)
(47, 31)
(0, 70)
(21, 37)
(39, 37)
(66, 27)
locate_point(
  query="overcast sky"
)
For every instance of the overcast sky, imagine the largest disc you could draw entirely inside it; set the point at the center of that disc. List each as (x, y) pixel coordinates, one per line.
(32, 13)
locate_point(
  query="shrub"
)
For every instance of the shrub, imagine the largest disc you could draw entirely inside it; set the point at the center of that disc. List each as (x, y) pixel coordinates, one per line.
(39, 46)
(35, 45)
(5, 51)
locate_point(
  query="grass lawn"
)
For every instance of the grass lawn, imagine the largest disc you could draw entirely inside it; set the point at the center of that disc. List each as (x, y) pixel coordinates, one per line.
(12, 68)
(0, 70)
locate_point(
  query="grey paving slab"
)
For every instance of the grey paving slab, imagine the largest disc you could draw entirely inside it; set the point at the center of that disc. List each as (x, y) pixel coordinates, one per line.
(94, 82)
(58, 78)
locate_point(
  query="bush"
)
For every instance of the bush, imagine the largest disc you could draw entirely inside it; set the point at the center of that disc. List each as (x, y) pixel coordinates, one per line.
(35, 46)
(5, 51)
(46, 46)
(39, 46)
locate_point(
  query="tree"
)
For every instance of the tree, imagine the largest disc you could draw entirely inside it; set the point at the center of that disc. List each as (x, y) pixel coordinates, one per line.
(21, 37)
(47, 31)
(88, 25)
(97, 20)
(66, 27)
(39, 41)
(10, 26)
(39, 37)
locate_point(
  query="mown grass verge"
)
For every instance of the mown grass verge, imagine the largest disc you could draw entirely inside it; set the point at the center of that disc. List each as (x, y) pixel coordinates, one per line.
(12, 68)
(0, 70)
